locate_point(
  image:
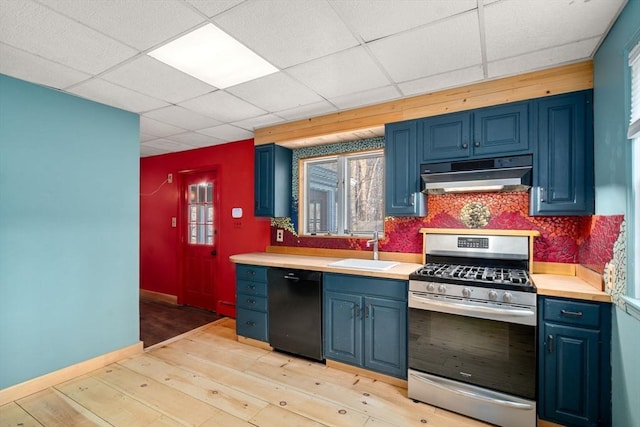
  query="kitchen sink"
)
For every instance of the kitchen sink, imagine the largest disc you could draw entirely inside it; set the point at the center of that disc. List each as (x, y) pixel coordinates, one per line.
(364, 264)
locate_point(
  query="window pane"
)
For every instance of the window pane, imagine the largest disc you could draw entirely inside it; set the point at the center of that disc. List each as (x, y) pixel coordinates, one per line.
(200, 216)
(322, 193)
(365, 178)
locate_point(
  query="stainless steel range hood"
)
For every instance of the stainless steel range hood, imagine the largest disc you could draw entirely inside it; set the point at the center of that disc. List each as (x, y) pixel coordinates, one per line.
(467, 176)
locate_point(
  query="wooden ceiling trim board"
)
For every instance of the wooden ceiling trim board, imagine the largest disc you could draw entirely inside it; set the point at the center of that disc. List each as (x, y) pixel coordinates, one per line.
(568, 78)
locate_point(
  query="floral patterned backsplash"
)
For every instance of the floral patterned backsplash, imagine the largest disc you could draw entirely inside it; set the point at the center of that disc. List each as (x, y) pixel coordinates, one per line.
(587, 240)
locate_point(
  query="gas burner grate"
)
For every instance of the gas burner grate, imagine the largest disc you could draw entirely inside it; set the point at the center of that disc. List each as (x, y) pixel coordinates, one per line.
(475, 273)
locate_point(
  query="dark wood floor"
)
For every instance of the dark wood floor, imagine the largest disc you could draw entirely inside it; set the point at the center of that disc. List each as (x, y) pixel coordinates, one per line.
(160, 321)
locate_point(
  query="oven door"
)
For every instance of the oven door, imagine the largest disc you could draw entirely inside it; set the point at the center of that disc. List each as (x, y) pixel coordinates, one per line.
(495, 354)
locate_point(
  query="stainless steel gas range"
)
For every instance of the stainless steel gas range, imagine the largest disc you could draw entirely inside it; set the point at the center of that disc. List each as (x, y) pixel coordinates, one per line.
(472, 328)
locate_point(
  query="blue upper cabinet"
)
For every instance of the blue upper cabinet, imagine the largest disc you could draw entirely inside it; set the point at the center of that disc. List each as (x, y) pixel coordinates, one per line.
(402, 180)
(272, 180)
(563, 156)
(486, 132)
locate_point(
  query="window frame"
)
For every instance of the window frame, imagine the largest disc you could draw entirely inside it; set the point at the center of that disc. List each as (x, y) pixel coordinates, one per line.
(342, 193)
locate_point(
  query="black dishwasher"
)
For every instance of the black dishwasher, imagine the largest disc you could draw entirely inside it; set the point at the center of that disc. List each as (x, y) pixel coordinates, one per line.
(295, 311)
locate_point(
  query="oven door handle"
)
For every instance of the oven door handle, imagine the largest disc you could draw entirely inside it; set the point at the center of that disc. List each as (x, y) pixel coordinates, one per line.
(502, 402)
(515, 312)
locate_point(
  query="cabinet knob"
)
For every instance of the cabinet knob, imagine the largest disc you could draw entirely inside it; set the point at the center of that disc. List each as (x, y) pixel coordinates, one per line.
(476, 144)
(465, 145)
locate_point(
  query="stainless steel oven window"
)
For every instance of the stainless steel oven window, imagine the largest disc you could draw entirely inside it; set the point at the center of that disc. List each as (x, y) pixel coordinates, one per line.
(487, 353)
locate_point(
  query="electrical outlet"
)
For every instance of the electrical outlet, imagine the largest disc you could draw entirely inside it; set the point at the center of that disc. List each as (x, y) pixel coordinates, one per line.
(280, 235)
(170, 180)
(174, 222)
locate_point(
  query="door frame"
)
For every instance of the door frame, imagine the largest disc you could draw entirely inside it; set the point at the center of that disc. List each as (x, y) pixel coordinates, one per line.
(181, 223)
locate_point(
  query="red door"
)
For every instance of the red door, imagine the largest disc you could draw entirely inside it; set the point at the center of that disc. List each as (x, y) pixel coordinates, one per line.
(199, 221)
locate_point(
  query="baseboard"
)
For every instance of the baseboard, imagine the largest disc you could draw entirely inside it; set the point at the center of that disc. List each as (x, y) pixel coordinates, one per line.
(367, 373)
(158, 296)
(51, 379)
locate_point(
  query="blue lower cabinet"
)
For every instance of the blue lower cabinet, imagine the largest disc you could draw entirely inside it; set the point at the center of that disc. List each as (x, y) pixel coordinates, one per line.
(574, 362)
(252, 319)
(365, 323)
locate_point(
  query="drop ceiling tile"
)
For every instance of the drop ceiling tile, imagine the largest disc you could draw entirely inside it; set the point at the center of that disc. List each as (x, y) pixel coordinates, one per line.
(306, 111)
(227, 133)
(146, 151)
(26, 66)
(165, 144)
(144, 137)
(368, 97)
(38, 30)
(223, 106)
(138, 23)
(157, 128)
(285, 32)
(181, 117)
(116, 96)
(517, 27)
(442, 81)
(213, 8)
(195, 139)
(342, 73)
(258, 122)
(543, 58)
(441, 47)
(372, 20)
(151, 77)
(275, 92)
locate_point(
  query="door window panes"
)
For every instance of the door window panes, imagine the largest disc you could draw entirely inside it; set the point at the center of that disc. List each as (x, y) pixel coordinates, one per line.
(200, 230)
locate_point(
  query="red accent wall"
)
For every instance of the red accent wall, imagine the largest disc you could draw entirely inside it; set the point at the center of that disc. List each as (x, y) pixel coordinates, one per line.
(159, 242)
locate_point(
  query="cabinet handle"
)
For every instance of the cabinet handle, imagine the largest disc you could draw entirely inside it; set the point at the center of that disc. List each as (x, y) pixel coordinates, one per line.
(476, 144)
(465, 145)
(251, 301)
(412, 199)
(550, 343)
(356, 311)
(541, 194)
(250, 323)
(571, 313)
(252, 287)
(366, 311)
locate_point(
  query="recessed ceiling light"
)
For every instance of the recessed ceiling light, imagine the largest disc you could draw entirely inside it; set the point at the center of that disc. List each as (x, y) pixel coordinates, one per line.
(213, 56)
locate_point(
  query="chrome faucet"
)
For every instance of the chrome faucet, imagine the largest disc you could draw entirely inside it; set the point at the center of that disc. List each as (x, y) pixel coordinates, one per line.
(375, 244)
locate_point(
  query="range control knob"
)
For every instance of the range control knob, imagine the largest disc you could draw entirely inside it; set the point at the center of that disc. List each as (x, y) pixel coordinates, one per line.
(431, 287)
(507, 297)
(466, 292)
(442, 289)
(493, 295)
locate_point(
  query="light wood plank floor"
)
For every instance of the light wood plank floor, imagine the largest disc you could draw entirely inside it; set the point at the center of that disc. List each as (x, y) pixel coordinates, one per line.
(207, 378)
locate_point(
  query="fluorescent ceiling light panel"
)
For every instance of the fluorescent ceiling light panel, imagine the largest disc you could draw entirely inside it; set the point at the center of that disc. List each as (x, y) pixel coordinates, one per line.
(213, 56)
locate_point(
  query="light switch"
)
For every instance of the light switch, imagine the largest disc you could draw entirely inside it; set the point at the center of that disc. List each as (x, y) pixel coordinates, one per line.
(174, 222)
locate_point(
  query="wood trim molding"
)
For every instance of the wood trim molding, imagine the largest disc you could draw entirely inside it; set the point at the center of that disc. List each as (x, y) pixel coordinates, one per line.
(367, 373)
(345, 253)
(158, 296)
(563, 269)
(564, 79)
(51, 379)
(593, 278)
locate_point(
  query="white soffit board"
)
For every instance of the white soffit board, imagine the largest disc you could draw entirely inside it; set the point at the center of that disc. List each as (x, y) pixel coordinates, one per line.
(286, 33)
(444, 46)
(36, 29)
(373, 20)
(275, 92)
(518, 27)
(342, 73)
(154, 78)
(138, 23)
(26, 66)
(111, 94)
(181, 117)
(223, 106)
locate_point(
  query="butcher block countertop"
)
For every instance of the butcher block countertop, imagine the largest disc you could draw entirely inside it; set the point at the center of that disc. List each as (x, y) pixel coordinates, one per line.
(568, 287)
(316, 263)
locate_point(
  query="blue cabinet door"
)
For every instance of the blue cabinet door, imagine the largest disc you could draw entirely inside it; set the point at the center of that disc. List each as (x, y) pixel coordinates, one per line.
(563, 156)
(402, 180)
(343, 327)
(571, 375)
(385, 336)
(501, 130)
(272, 183)
(445, 137)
